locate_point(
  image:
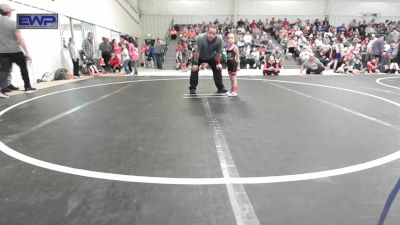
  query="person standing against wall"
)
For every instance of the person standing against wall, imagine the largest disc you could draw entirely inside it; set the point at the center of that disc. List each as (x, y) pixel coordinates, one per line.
(88, 49)
(73, 52)
(11, 42)
(106, 49)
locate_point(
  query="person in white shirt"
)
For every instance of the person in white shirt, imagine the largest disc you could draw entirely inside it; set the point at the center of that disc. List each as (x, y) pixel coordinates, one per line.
(248, 38)
(125, 59)
(73, 52)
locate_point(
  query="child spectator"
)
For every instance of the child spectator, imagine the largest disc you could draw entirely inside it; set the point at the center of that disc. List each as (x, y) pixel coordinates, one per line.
(133, 54)
(125, 59)
(255, 57)
(143, 53)
(372, 66)
(148, 58)
(357, 67)
(115, 63)
(384, 64)
(185, 58)
(271, 67)
(345, 68)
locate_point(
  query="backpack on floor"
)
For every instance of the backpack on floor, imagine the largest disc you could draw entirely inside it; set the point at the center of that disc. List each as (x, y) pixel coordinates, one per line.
(61, 74)
(83, 69)
(93, 70)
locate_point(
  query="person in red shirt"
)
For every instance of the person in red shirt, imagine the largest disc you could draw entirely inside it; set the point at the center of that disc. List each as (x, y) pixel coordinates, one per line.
(115, 63)
(181, 46)
(372, 66)
(271, 67)
(285, 22)
(253, 24)
(191, 34)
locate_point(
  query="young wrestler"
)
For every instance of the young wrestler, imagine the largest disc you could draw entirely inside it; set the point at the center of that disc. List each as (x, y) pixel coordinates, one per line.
(233, 63)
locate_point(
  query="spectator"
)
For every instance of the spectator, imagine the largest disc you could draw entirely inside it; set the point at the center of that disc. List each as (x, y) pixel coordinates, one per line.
(393, 55)
(378, 47)
(115, 63)
(370, 30)
(345, 68)
(148, 58)
(106, 49)
(248, 39)
(11, 42)
(133, 54)
(271, 67)
(357, 67)
(158, 53)
(173, 34)
(393, 37)
(88, 49)
(255, 57)
(185, 58)
(372, 66)
(312, 65)
(125, 59)
(292, 46)
(341, 29)
(73, 52)
(279, 57)
(143, 53)
(178, 59)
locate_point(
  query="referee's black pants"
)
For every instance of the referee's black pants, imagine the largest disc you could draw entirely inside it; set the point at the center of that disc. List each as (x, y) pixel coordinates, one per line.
(217, 74)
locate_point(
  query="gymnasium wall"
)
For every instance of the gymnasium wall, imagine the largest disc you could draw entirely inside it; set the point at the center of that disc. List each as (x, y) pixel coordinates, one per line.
(104, 17)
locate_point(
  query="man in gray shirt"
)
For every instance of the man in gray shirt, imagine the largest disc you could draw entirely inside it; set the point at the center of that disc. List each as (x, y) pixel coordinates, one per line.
(312, 65)
(105, 48)
(394, 36)
(208, 51)
(158, 53)
(11, 42)
(378, 47)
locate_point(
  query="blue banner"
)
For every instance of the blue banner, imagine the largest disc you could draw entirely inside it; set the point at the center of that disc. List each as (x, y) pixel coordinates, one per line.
(37, 21)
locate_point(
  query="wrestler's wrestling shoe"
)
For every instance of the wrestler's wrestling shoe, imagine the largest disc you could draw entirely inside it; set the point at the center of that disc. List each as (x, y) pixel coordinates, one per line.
(231, 94)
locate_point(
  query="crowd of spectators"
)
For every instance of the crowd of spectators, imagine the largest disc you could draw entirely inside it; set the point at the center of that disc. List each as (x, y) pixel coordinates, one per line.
(316, 46)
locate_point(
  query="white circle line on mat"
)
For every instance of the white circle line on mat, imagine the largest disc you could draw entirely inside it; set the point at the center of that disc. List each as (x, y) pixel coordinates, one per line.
(379, 81)
(199, 181)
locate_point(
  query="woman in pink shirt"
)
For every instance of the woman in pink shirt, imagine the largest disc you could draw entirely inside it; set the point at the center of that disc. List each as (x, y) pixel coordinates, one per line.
(133, 53)
(117, 49)
(143, 53)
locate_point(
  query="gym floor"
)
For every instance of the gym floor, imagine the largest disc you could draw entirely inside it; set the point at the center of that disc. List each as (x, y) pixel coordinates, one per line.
(289, 150)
